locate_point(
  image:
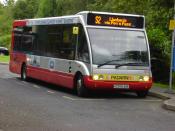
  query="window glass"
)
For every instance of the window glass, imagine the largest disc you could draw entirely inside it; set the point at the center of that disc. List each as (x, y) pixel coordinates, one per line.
(17, 41)
(118, 46)
(23, 39)
(67, 47)
(27, 39)
(47, 40)
(40, 39)
(17, 38)
(83, 51)
(54, 40)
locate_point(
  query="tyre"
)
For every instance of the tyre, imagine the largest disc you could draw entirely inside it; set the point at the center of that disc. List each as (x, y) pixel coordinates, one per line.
(24, 73)
(80, 87)
(142, 94)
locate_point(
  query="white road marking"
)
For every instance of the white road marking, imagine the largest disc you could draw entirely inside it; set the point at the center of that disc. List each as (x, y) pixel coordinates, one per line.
(36, 86)
(151, 100)
(90, 99)
(24, 82)
(51, 92)
(19, 83)
(69, 98)
(80, 99)
(96, 99)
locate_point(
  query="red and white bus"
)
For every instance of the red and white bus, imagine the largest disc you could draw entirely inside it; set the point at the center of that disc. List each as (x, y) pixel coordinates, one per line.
(86, 51)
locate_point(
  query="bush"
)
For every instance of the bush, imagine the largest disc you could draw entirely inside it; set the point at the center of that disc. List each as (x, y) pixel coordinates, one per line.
(5, 41)
(160, 47)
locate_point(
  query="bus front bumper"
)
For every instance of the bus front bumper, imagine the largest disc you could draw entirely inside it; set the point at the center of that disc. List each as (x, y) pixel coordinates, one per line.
(111, 85)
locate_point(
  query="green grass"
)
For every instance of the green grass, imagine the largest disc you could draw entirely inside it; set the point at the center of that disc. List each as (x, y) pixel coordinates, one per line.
(160, 85)
(165, 86)
(4, 58)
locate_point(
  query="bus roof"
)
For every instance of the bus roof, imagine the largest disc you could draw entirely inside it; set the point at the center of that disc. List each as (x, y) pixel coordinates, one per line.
(108, 13)
(92, 18)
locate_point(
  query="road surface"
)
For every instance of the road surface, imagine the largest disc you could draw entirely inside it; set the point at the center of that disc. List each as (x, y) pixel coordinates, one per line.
(37, 106)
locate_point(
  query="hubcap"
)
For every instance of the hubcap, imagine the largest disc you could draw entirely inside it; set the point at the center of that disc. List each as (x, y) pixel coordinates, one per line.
(24, 73)
(79, 83)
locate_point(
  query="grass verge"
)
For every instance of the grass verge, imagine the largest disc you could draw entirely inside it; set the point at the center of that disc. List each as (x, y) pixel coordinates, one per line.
(160, 85)
(165, 86)
(4, 58)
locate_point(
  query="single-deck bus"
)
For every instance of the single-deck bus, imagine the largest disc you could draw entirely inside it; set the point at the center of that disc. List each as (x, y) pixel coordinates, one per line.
(85, 51)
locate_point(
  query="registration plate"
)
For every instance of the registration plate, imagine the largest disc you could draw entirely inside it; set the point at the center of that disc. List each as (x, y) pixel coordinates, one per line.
(121, 86)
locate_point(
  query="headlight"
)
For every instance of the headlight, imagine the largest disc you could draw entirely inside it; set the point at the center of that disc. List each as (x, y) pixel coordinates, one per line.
(95, 77)
(146, 78)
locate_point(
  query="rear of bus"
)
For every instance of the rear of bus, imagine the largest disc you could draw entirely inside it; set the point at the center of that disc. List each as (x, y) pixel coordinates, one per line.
(120, 53)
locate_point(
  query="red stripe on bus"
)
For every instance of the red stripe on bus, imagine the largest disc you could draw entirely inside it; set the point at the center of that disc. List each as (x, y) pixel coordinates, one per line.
(109, 85)
(55, 77)
(19, 23)
(16, 61)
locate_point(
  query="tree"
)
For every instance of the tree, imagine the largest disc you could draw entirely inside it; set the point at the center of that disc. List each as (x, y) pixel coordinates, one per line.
(6, 23)
(25, 9)
(62, 7)
(46, 8)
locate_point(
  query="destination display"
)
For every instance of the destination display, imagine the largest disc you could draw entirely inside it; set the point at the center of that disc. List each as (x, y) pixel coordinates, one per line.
(115, 20)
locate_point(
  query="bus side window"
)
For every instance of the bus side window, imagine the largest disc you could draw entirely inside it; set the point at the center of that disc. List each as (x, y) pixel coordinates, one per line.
(54, 40)
(27, 44)
(27, 40)
(67, 46)
(83, 51)
(17, 38)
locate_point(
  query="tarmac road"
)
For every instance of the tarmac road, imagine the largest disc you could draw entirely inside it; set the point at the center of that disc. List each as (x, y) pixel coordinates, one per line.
(37, 106)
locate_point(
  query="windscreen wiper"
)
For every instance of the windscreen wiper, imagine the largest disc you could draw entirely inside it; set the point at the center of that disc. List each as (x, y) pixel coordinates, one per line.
(130, 64)
(124, 64)
(107, 62)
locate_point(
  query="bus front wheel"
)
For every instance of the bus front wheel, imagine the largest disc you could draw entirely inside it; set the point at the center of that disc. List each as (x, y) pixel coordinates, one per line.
(142, 94)
(24, 73)
(80, 87)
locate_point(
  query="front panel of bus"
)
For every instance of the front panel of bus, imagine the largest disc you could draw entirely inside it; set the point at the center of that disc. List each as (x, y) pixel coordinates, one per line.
(120, 53)
(120, 56)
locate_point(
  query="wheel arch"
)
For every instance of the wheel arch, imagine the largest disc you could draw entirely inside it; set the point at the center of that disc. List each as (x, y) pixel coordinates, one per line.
(22, 64)
(76, 77)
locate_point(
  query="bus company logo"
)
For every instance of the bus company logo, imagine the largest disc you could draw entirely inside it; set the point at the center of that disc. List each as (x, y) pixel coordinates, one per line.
(51, 64)
(98, 20)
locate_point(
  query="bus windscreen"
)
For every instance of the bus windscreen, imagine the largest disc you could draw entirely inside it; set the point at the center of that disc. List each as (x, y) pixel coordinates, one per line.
(118, 46)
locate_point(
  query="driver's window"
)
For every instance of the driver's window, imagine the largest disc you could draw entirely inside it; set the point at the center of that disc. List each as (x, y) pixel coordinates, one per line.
(83, 51)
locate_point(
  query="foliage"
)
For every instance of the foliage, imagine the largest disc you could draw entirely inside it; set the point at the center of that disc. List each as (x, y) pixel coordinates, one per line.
(46, 8)
(6, 23)
(31, 7)
(5, 39)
